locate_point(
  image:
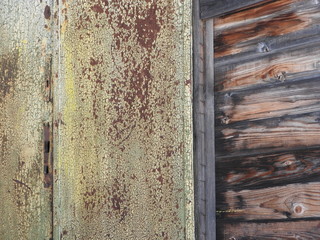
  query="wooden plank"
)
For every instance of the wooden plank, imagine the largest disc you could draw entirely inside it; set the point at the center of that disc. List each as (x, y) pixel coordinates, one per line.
(198, 123)
(267, 28)
(285, 202)
(209, 118)
(306, 230)
(265, 170)
(212, 8)
(124, 120)
(287, 132)
(25, 186)
(280, 66)
(275, 100)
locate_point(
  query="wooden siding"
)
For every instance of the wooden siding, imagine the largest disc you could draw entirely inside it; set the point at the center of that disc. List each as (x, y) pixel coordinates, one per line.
(198, 123)
(267, 103)
(212, 8)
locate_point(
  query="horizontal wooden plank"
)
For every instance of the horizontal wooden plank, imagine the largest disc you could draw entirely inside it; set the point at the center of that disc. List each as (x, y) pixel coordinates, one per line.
(278, 99)
(261, 29)
(281, 66)
(300, 230)
(270, 134)
(265, 170)
(285, 202)
(211, 8)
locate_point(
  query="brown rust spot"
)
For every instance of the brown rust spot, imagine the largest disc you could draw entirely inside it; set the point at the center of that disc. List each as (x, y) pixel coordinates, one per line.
(97, 8)
(94, 62)
(47, 12)
(148, 27)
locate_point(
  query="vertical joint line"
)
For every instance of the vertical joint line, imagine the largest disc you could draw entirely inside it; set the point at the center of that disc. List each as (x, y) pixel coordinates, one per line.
(47, 155)
(48, 78)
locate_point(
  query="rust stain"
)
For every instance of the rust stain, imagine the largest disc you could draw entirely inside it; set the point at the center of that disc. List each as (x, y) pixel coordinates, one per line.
(8, 73)
(97, 8)
(126, 108)
(47, 12)
(25, 212)
(148, 27)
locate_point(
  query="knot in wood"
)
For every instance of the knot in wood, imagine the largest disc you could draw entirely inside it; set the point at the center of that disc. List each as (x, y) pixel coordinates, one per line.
(298, 208)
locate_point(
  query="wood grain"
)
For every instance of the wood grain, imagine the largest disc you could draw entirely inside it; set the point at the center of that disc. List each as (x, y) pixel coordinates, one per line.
(209, 134)
(306, 230)
(198, 123)
(265, 170)
(274, 100)
(285, 202)
(259, 30)
(267, 108)
(269, 135)
(278, 66)
(211, 8)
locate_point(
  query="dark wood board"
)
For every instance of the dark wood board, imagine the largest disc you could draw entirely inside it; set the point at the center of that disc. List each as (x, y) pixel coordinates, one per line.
(272, 26)
(198, 124)
(281, 66)
(212, 8)
(285, 202)
(287, 132)
(299, 230)
(209, 119)
(267, 106)
(267, 170)
(274, 100)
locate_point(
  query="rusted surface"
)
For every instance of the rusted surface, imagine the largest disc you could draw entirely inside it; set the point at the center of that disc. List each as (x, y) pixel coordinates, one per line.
(123, 137)
(25, 211)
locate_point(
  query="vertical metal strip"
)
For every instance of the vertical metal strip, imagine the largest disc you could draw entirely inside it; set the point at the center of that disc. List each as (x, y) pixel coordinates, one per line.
(209, 131)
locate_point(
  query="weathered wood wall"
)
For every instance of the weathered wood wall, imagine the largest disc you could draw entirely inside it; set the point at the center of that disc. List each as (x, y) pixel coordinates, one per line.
(25, 58)
(123, 130)
(212, 8)
(267, 121)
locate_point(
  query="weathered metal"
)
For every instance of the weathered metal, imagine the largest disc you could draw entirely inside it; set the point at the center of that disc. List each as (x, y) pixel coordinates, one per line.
(25, 209)
(123, 136)
(103, 88)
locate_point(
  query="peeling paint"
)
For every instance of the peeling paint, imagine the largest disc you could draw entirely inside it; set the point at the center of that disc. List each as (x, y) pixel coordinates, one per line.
(25, 209)
(124, 165)
(111, 80)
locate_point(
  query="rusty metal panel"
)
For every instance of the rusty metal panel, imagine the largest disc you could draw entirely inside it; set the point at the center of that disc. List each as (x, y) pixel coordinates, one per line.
(123, 136)
(25, 209)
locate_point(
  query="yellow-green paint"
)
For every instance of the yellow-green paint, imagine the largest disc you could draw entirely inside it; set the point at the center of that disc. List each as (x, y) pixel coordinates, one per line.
(25, 211)
(121, 117)
(124, 107)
